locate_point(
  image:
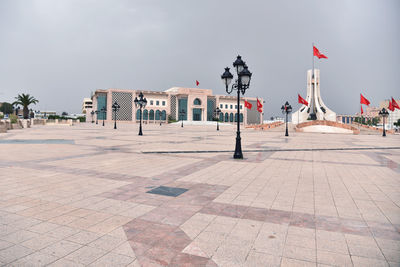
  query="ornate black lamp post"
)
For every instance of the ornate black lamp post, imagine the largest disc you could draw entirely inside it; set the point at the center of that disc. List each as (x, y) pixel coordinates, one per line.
(384, 113)
(115, 108)
(241, 85)
(217, 111)
(97, 116)
(181, 114)
(286, 109)
(92, 113)
(140, 103)
(103, 110)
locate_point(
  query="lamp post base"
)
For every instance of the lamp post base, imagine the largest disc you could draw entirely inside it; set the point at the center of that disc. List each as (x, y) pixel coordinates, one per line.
(238, 149)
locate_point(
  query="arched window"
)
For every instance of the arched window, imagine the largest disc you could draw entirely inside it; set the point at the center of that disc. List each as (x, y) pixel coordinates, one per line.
(151, 115)
(221, 116)
(197, 102)
(236, 118)
(226, 117)
(231, 117)
(241, 117)
(158, 115)
(145, 115)
(138, 114)
(163, 115)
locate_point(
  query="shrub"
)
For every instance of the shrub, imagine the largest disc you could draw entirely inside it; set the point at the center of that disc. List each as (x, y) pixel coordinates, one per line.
(1, 116)
(82, 119)
(13, 118)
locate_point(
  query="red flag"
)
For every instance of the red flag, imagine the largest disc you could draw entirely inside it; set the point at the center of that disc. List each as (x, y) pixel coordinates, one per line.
(362, 111)
(248, 104)
(302, 100)
(197, 83)
(363, 100)
(394, 103)
(259, 106)
(318, 54)
(391, 107)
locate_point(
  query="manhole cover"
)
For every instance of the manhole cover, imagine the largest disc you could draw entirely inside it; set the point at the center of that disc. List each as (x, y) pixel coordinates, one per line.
(168, 191)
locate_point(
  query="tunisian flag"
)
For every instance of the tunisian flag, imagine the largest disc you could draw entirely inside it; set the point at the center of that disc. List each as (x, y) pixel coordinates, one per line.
(395, 105)
(391, 108)
(363, 100)
(302, 100)
(259, 106)
(197, 83)
(318, 54)
(362, 111)
(247, 104)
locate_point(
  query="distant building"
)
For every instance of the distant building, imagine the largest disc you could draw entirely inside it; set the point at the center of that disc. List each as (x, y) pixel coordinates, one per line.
(197, 104)
(87, 105)
(44, 114)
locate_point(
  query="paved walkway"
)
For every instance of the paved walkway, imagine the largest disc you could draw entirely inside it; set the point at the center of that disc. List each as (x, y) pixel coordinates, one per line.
(78, 196)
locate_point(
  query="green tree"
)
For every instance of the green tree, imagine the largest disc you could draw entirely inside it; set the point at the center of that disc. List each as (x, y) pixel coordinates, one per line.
(25, 100)
(397, 123)
(6, 108)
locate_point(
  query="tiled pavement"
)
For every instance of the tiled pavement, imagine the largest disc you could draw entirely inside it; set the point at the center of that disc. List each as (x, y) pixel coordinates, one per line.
(86, 203)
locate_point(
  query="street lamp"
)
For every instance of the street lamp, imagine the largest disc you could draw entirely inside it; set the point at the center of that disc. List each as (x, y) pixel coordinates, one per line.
(115, 108)
(384, 113)
(92, 113)
(286, 109)
(182, 113)
(217, 111)
(241, 85)
(97, 116)
(140, 103)
(103, 110)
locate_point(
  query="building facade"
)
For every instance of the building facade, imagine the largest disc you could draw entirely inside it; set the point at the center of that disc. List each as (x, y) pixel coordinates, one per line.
(87, 105)
(196, 104)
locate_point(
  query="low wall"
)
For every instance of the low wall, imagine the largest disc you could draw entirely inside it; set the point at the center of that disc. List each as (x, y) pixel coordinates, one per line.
(373, 128)
(3, 127)
(265, 126)
(326, 127)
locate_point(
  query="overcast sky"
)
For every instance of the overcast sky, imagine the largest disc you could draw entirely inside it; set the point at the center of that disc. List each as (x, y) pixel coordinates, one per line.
(61, 50)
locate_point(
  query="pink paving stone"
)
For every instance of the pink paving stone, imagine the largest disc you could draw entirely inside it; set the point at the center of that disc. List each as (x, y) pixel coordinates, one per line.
(156, 237)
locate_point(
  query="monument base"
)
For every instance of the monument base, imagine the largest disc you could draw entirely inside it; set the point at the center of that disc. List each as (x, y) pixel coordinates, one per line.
(319, 126)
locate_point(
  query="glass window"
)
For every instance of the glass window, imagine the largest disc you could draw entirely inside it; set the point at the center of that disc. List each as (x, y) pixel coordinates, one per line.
(235, 106)
(151, 102)
(157, 103)
(226, 106)
(240, 106)
(197, 102)
(163, 103)
(231, 106)
(221, 106)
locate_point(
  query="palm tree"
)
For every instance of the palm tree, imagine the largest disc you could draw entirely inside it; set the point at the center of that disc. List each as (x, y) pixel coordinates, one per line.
(25, 100)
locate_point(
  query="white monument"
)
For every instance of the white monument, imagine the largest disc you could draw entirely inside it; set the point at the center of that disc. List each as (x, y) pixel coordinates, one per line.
(316, 109)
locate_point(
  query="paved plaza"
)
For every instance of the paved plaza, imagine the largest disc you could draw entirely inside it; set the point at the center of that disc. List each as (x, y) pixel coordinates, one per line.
(89, 195)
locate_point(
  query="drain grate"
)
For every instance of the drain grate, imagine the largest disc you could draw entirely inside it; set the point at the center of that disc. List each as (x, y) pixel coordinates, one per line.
(167, 191)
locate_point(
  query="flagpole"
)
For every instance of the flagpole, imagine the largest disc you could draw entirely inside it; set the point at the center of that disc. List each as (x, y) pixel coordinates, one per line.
(313, 83)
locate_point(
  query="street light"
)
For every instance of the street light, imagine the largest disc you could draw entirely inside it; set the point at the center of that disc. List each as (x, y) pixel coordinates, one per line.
(97, 116)
(140, 103)
(92, 113)
(217, 111)
(115, 108)
(103, 110)
(182, 113)
(241, 85)
(286, 109)
(384, 113)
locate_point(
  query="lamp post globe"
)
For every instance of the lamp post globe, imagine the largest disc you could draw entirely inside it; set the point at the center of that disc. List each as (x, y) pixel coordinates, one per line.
(140, 103)
(115, 108)
(286, 109)
(241, 85)
(384, 113)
